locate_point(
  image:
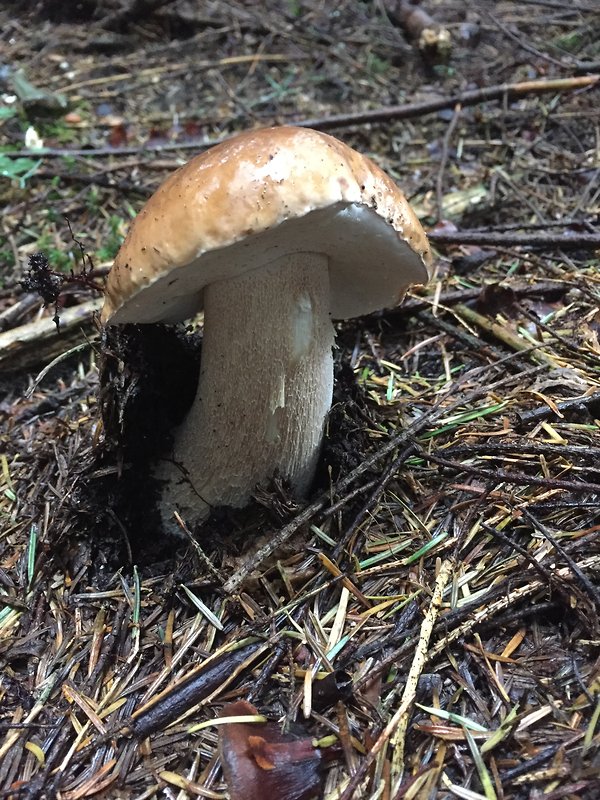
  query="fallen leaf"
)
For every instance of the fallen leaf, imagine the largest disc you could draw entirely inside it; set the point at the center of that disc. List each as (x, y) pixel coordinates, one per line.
(259, 761)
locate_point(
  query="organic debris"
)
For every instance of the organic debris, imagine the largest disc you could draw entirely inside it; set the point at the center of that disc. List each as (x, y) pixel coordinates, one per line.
(39, 278)
(259, 761)
(429, 618)
(434, 40)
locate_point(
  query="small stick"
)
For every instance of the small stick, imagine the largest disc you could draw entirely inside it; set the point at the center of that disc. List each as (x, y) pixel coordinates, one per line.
(525, 447)
(396, 727)
(491, 609)
(439, 184)
(567, 241)
(592, 590)
(529, 48)
(504, 334)
(470, 615)
(518, 478)
(37, 341)
(414, 303)
(544, 412)
(402, 715)
(510, 91)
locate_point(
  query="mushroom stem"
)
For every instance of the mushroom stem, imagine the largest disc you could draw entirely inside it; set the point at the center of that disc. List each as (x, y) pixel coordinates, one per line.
(265, 388)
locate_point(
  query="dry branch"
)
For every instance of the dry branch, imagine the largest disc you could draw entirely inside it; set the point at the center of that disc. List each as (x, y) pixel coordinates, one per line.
(545, 412)
(507, 91)
(39, 341)
(565, 241)
(504, 335)
(491, 609)
(518, 478)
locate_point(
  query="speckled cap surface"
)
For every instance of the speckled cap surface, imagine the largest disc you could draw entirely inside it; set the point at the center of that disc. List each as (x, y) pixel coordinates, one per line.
(254, 198)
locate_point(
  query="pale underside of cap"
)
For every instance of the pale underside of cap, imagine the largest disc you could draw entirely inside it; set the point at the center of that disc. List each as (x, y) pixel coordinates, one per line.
(255, 198)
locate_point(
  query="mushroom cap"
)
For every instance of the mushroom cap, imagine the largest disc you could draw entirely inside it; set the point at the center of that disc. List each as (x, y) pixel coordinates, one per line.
(257, 197)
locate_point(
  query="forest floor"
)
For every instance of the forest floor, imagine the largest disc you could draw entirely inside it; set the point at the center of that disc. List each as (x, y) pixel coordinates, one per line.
(426, 623)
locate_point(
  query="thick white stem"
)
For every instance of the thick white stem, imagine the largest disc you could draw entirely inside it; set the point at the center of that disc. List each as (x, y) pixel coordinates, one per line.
(265, 388)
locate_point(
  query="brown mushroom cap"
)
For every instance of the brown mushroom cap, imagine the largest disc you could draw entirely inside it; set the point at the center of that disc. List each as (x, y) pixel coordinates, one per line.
(254, 198)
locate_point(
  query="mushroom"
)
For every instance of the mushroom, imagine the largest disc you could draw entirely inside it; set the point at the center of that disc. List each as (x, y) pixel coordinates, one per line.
(272, 233)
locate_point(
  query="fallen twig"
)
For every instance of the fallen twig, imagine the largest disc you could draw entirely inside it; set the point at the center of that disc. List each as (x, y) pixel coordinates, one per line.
(396, 727)
(470, 614)
(476, 344)
(35, 342)
(567, 241)
(510, 91)
(518, 478)
(489, 610)
(414, 304)
(592, 590)
(525, 45)
(202, 681)
(525, 447)
(10, 317)
(545, 412)
(505, 335)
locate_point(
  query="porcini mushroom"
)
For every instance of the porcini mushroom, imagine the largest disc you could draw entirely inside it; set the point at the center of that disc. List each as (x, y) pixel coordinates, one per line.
(272, 233)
